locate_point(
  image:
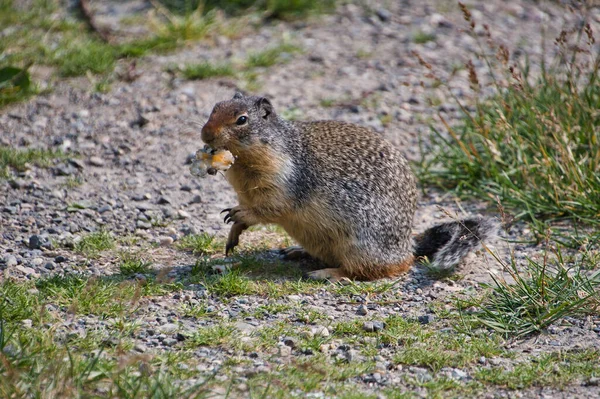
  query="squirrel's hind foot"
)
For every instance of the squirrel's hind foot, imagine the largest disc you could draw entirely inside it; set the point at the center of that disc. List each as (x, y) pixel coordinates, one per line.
(294, 253)
(331, 274)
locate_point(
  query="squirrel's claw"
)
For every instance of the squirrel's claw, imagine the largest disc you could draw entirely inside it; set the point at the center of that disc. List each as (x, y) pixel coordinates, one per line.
(235, 215)
(229, 246)
(234, 236)
(227, 217)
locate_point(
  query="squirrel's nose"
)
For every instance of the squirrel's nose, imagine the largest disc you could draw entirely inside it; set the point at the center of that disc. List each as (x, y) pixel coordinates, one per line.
(208, 134)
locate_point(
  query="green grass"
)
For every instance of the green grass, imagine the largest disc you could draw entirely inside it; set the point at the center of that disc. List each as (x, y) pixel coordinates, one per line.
(106, 297)
(131, 265)
(556, 369)
(292, 9)
(278, 9)
(72, 182)
(200, 244)
(35, 365)
(542, 294)
(17, 159)
(76, 58)
(533, 146)
(143, 46)
(244, 280)
(207, 70)
(217, 335)
(94, 243)
(15, 85)
(305, 376)
(42, 34)
(421, 37)
(271, 56)
(415, 345)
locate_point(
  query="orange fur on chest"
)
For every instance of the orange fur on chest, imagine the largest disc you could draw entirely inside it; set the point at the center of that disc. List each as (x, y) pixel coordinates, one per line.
(259, 177)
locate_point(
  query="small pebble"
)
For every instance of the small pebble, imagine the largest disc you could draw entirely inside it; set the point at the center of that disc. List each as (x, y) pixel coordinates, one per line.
(320, 331)
(35, 242)
(373, 326)
(96, 161)
(362, 310)
(165, 241)
(426, 319)
(183, 214)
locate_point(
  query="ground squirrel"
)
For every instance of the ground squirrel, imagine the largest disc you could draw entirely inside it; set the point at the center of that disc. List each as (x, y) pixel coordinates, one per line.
(345, 194)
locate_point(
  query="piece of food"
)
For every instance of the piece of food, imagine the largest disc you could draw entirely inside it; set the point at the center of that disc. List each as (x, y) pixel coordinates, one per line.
(209, 161)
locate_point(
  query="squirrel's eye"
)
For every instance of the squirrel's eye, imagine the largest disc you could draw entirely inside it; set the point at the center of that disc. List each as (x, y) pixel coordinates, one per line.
(241, 120)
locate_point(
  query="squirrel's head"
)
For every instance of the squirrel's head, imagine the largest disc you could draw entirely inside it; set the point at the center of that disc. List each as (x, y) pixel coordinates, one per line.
(236, 124)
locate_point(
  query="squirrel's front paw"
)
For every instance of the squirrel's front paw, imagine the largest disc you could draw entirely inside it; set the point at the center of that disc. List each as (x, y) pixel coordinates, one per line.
(234, 236)
(237, 214)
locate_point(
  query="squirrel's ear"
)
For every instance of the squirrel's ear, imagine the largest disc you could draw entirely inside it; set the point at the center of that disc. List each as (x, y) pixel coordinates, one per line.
(265, 107)
(238, 95)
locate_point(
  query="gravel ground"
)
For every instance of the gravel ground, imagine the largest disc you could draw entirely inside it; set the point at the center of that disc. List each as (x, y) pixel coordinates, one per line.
(129, 149)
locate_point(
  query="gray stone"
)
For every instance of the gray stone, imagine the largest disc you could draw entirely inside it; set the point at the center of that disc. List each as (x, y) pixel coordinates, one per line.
(65, 170)
(140, 348)
(285, 351)
(104, 209)
(373, 326)
(96, 161)
(320, 331)
(35, 242)
(11, 260)
(25, 270)
(289, 341)
(183, 214)
(165, 241)
(168, 328)
(362, 310)
(459, 374)
(244, 328)
(140, 224)
(37, 261)
(196, 199)
(426, 319)
(163, 200)
(383, 14)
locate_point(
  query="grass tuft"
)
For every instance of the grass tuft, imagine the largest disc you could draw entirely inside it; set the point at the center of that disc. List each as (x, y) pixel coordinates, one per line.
(271, 56)
(545, 293)
(207, 70)
(216, 335)
(200, 244)
(93, 243)
(131, 266)
(76, 58)
(421, 37)
(15, 85)
(533, 145)
(293, 9)
(18, 159)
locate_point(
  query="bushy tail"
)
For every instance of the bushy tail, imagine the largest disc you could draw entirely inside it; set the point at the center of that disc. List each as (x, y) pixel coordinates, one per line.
(446, 244)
